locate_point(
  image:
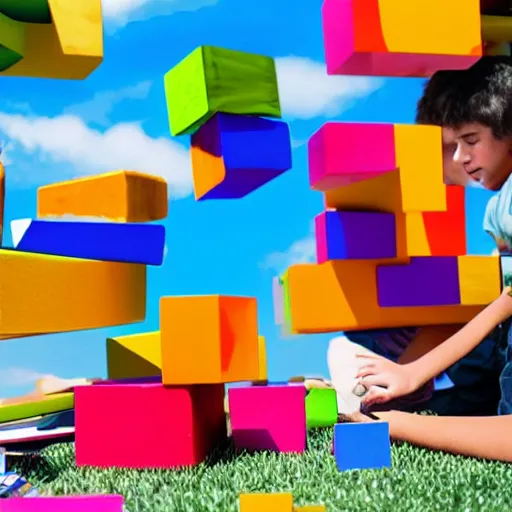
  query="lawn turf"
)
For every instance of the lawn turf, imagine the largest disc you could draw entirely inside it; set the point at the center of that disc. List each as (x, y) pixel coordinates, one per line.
(420, 480)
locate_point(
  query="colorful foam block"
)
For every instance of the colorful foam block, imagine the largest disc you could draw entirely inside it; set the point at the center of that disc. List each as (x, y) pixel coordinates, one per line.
(12, 42)
(104, 241)
(48, 294)
(13, 410)
(355, 235)
(341, 295)
(37, 11)
(270, 502)
(268, 418)
(133, 356)
(479, 279)
(262, 359)
(234, 155)
(424, 281)
(395, 39)
(213, 79)
(122, 196)
(310, 508)
(100, 503)
(362, 445)
(321, 408)
(223, 329)
(147, 425)
(338, 158)
(70, 47)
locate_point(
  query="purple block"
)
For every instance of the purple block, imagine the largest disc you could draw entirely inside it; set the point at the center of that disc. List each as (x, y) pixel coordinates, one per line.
(355, 236)
(254, 151)
(426, 281)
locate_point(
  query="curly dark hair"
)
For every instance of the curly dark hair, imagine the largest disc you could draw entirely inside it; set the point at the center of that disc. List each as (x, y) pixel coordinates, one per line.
(480, 94)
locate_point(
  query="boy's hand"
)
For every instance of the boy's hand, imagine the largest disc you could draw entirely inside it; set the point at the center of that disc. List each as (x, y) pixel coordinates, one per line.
(384, 379)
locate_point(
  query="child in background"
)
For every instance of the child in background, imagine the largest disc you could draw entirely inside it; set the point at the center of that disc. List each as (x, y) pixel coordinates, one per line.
(477, 132)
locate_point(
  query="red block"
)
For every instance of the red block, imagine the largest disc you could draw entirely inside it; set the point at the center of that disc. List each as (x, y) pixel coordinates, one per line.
(446, 231)
(147, 425)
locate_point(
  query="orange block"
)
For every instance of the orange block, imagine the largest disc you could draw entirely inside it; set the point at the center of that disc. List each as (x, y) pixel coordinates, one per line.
(209, 339)
(122, 196)
(342, 295)
(397, 38)
(271, 502)
(47, 294)
(208, 171)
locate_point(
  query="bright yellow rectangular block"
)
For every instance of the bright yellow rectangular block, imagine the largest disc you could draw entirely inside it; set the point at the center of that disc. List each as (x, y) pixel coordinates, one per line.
(310, 508)
(122, 196)
(262, 502)
(342, 295)
(69, 48)
(137, 355)
(48, 294)
(479, 279)
(262, 358)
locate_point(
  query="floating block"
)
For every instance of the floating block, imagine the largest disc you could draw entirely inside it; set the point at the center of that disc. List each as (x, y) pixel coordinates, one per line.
(262, 359)
(104, 241)
(424, 281)
(223, 329)
(48, 294)
(395, 39)
(134, 356)
(341, 295)
(362, 445)
(100, 503)
(506, 271)
(479, 278)
(355, 235)
(143, 426)
(234, 155)
(12, 42)
(321, 408)
(122, 196)
(212, 80)
(30, 11)
(270, 502)
(338, 156)
(70, 47)
(268, 418)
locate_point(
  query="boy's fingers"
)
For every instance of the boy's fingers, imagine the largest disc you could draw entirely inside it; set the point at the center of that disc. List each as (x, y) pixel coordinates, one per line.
(375, 380)
(368, 356)
(364, 371)
(376, 395)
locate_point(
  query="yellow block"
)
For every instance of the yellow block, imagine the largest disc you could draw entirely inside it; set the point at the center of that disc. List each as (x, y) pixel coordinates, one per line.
(47, 294)
(262, 358)
(122, 196)
(69, 48)
(479, 279)
(310, 508)
(137, 355)
(419, 157)
(271, 502)
(411, 235)
(2, 199)
(434, 27)
(342, 295)
(416, 186)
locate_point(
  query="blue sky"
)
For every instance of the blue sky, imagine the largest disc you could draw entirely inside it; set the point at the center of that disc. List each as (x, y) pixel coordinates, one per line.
(117, 119)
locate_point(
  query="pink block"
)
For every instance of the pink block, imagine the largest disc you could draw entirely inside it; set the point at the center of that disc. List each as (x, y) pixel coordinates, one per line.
(147, 425)
(106, 503)
(344, 153)
(268, 418)
(342, 58)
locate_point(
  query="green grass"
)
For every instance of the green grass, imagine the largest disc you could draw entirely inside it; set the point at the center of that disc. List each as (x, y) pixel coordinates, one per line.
(420, 480)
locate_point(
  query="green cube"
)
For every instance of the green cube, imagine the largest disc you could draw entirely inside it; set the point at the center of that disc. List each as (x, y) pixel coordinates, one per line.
(321, 408)
(212, 80)
(29, 11)
(12, 42)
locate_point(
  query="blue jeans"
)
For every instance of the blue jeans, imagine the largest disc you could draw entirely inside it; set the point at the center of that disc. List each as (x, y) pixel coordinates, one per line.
(505, 403)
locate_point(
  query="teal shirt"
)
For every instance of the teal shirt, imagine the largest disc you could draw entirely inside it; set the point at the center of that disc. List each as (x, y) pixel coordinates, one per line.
(498, 217)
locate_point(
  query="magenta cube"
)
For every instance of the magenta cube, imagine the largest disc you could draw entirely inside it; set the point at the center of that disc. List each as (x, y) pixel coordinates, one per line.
(268, 418)
(97, 503)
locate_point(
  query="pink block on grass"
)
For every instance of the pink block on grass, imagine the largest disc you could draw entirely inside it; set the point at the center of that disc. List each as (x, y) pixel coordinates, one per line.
(268, 418)
(147, 425)
(100, 503)
(344, 153)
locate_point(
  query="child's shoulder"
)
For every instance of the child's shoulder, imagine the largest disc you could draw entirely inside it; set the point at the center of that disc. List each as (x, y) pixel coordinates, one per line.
(498, 216)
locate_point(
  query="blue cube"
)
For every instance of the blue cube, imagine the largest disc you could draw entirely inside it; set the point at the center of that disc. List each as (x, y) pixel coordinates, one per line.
(362, 445)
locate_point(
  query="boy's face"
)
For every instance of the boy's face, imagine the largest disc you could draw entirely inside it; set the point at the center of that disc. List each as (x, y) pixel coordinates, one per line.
(472, 153)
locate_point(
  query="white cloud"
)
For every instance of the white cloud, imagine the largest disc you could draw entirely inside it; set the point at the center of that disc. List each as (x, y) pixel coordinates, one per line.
(68, 140)
(306, 91)
(98, 108)
(11, 377)
(119, 13)
(300, 251)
